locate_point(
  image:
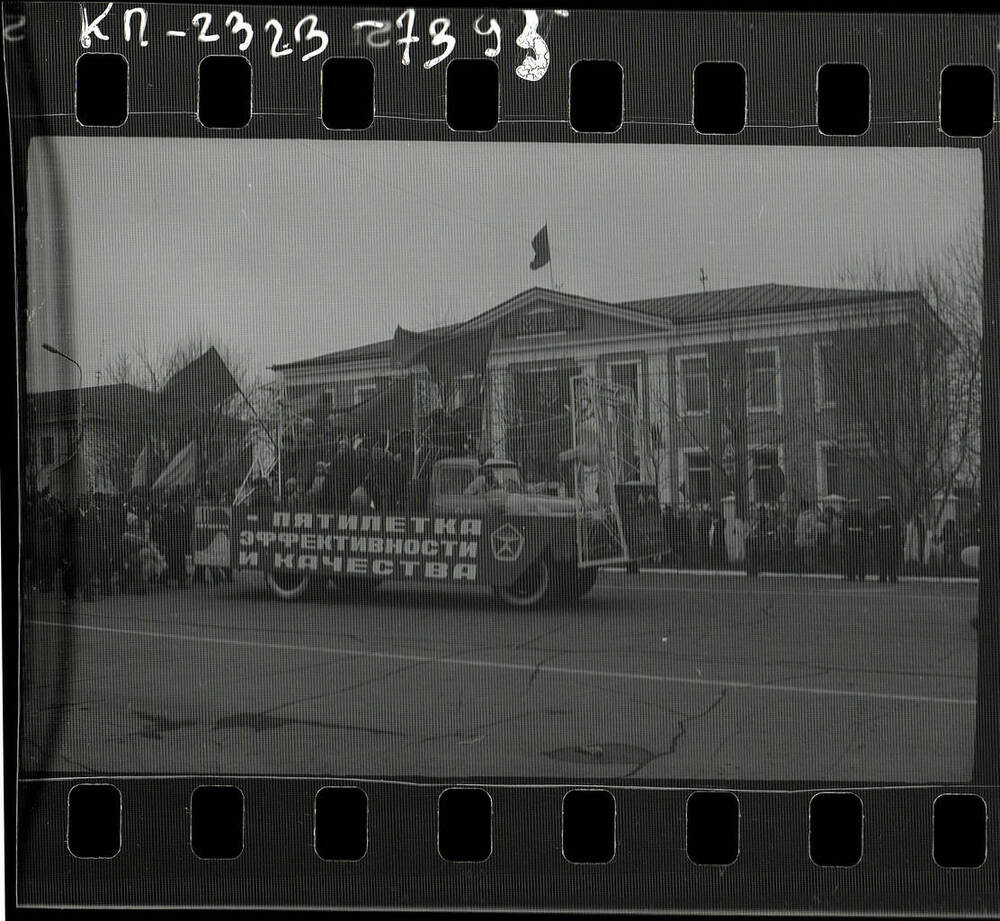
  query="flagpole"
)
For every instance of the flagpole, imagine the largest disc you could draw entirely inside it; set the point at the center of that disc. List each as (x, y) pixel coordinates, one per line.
(552, 278)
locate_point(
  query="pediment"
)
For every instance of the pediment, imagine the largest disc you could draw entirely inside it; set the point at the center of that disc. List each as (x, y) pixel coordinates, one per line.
(541, 312)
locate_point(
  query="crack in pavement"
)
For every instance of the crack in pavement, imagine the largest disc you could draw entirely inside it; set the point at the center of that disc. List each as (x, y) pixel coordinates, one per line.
(351, 687)
(523, 644)
(681, 732)
(478, 727)
(359, 684)
(260, 722)
(860, 733)
(850, 748)
(545, 660)
(45, 757)
(534, 639)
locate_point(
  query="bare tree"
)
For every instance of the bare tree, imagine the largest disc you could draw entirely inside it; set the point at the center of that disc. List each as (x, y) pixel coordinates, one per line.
(907, 380)
(222, 431)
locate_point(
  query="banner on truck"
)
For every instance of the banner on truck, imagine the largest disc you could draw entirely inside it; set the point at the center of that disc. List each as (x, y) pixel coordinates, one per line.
(445, 549)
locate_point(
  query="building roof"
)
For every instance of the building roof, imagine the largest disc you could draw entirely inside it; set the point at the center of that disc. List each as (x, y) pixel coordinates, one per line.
(381, 349)
(120, 401)
(678, 309)
(373, 350)
(748, 301)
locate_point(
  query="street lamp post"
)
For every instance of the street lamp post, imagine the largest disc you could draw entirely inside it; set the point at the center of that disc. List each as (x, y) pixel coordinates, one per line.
(79, 396)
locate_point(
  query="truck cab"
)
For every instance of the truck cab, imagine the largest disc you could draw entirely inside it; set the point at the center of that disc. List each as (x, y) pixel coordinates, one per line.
(463, 486)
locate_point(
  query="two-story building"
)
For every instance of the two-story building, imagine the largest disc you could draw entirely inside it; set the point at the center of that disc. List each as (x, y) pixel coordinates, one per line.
(738, 385)
(101, 427)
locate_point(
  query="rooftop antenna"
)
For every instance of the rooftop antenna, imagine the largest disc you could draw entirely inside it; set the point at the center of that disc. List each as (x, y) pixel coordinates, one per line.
(100, 363)
(704, 278)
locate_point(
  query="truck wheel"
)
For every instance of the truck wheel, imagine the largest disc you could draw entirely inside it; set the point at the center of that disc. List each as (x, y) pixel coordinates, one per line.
(288, 585)
(530, 589)
(571, 583)
(584, 581)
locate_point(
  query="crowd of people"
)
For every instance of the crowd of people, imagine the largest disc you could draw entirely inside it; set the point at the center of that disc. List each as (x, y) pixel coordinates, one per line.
(848, 540)
(332, 469)
(102, 544)
(109, 544)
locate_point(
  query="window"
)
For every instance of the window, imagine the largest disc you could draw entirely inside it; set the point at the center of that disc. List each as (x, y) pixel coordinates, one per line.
(692, 384)
(768, 480)
(455, 480)
(331, 393)
(763, 378)
(627, 374)
(363, 391)
(696, 477)
(826, 391)
(828, 473)
(465, 391)
(47, 450)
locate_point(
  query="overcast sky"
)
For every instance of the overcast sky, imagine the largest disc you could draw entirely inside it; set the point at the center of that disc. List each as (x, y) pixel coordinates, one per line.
(284, 250)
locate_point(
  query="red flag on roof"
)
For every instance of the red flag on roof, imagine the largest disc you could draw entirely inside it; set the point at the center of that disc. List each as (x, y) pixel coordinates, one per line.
(540, 243)
(200, 386)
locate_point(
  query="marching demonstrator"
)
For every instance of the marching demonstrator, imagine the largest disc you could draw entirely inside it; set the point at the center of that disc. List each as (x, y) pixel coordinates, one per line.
(887, 536)
(854, 541)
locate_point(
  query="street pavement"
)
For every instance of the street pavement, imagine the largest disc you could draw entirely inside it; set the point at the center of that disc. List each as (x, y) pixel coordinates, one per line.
(654, 676)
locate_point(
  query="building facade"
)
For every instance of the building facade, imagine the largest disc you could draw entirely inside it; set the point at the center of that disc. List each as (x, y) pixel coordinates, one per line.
(777, 392)
(101, 427)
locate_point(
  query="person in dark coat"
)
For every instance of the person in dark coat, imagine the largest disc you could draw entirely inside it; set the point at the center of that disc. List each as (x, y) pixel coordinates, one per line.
(69, 557)
(114, 527)
(80, 571)
(176, 539)
(376, 480)
(755, 540)
(682, 537)
(159, 526)
(386, 479)
(342, 479)
(45, 543)
(103, 571)
(952, 550)
(717, 540)
(855, 541)
(133, 543)
(306, 455)
(887, 538)
(399, 475)
(260, 497)
(669, 532)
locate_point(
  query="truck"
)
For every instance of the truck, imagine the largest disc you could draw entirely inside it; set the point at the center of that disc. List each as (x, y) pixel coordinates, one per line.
(476, 523)
(480, 526)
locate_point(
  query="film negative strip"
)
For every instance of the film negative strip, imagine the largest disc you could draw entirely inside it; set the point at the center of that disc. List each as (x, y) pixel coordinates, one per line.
(509, 459)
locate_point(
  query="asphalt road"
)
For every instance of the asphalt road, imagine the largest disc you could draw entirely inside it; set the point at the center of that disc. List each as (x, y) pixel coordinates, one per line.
(654, 676)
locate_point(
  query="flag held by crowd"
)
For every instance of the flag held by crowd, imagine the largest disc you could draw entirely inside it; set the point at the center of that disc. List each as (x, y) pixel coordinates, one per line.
(445, 355)
(182, 469)
(200, 386)
(142, 469)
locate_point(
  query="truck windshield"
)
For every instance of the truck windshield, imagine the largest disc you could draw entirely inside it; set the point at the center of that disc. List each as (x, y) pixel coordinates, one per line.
(506, 478)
